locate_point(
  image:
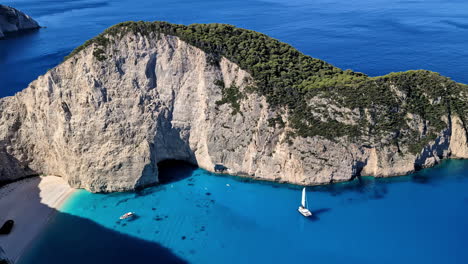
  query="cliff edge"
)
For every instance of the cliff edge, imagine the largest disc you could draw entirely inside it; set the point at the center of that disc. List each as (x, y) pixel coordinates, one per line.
(12, 20)
(214, 94)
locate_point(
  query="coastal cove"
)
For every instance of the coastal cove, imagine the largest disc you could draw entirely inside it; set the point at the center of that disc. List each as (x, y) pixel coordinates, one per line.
(132, 105)
(200, 217)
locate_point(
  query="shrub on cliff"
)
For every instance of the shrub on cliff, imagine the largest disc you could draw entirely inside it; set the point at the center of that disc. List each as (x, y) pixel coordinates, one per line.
(288, 79)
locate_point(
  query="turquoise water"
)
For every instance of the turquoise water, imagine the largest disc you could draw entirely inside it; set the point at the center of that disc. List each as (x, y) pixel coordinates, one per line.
(207, 218)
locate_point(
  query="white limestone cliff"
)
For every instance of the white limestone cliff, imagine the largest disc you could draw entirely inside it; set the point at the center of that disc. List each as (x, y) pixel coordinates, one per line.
(104, 125)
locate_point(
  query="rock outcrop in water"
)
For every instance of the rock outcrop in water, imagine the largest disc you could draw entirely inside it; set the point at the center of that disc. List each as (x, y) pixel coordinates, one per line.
(12, 20)
(133, 97)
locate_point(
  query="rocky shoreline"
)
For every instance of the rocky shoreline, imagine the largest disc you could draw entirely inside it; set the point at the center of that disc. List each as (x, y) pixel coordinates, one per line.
(13, 20)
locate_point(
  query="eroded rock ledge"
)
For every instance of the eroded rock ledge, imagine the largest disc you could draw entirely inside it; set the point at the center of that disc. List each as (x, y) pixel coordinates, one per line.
(106, 116)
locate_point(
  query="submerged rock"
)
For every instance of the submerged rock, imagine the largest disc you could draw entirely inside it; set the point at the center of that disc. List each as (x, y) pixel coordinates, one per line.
(132, 97)
(12, 20)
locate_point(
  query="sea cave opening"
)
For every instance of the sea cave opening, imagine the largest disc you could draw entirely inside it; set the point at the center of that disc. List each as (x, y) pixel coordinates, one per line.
(174, 170)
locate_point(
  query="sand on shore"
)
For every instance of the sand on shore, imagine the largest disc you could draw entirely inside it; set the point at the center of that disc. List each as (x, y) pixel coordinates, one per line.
(30, 203)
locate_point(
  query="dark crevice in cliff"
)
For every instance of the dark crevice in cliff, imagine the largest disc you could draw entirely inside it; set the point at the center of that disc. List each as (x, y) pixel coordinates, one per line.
(150, 72)
(357, 169)
(359, 165)
(118, 65)
(174, 170)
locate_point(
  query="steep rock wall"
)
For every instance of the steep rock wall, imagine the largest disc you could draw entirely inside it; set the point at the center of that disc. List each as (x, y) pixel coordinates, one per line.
(104, 123)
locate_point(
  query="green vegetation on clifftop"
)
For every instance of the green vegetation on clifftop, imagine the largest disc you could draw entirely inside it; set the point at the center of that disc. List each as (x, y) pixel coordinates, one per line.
(385, 105)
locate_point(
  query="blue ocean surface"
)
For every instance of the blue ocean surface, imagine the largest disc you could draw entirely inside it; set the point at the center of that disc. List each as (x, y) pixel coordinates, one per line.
(199, 217)
(371, 36)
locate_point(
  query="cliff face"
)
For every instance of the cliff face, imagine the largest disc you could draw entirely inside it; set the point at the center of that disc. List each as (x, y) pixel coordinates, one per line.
(105, 117)
(12, 20)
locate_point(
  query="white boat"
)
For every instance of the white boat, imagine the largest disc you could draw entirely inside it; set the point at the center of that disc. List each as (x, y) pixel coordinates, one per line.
(303, 208)
(127, 215)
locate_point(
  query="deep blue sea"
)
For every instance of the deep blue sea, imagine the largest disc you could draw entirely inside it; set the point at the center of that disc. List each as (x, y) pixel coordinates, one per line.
(204, 218)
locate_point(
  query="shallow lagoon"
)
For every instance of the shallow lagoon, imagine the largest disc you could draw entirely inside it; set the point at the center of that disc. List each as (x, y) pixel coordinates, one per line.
(207, 218)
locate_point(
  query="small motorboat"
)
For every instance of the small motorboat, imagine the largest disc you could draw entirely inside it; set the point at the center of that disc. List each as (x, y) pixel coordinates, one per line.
(303, 207)
(127, 215)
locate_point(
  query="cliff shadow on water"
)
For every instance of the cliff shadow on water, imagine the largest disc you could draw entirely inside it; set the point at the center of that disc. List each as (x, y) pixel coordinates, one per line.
(20, 34)
(372, 188)
(75, 240)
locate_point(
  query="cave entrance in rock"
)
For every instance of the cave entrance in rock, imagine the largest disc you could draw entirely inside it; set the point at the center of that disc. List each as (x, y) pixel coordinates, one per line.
(174, 170)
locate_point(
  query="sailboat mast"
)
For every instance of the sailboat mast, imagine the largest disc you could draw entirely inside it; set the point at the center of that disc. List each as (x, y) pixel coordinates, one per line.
(304, 200)
(305, 195)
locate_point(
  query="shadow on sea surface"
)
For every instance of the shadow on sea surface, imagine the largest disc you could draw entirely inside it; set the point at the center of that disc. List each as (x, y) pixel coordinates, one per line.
(169, 171)
(317, 213)
(76, 240)
(371, 188)
(21, 33)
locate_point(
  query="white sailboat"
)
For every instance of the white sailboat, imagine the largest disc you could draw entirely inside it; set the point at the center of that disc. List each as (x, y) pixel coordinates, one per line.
(303, 208)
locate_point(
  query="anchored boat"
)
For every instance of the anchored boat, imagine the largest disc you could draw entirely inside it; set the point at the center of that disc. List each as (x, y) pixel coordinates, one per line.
(303, 208)
(127, 215)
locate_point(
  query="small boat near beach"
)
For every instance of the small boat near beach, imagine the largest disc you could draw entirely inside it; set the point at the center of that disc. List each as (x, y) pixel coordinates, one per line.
(303, 207)
(127, 215)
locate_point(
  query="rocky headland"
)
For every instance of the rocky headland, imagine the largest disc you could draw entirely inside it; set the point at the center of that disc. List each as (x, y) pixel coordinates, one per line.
(213, 94)
(13, 20)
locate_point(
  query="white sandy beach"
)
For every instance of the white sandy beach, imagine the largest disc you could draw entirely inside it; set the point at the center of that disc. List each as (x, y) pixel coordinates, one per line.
(30, 203)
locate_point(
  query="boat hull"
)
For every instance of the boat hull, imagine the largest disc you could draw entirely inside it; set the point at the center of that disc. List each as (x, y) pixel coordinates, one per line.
(304, 211)
(127, 216)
